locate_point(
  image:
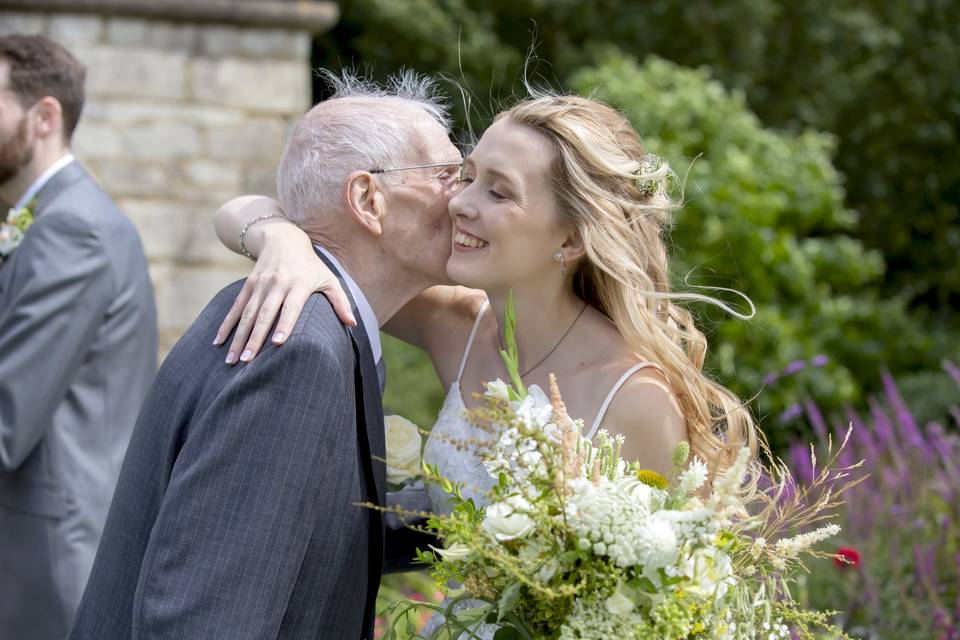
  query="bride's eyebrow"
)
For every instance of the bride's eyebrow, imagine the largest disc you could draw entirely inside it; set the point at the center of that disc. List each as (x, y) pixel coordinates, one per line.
(496, 173)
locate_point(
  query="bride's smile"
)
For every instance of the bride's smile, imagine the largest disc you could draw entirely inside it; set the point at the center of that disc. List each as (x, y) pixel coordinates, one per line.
(463, 241)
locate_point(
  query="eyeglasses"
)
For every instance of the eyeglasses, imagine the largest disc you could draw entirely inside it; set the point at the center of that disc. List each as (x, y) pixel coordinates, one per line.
(419, 166)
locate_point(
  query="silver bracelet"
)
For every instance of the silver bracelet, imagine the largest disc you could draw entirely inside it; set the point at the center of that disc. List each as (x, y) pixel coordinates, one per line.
(250, 223)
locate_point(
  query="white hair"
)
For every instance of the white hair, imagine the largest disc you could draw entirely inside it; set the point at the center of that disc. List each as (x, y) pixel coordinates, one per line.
(329, 143)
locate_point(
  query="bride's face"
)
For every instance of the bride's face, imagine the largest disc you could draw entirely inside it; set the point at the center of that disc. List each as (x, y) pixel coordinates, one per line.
(505, 217)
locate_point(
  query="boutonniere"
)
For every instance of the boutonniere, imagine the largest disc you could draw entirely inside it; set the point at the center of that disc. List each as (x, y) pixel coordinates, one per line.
(14, 227)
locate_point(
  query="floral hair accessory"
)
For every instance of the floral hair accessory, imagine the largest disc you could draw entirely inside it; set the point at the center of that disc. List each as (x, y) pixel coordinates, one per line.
(647, 185)
(14, 227)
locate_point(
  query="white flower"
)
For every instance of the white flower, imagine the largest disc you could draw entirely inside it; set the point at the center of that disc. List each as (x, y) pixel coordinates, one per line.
(693, 476)
(618, 524)
(639, 491)
(498, 389)
(508, 520)
(456, 551)
(620, 603)
(657, 544)
(791, 547)
(534, 410)
(403, 449)
(710, 571)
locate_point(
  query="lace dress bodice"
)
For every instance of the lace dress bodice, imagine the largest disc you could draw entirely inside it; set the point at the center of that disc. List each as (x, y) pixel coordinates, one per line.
(454, 445)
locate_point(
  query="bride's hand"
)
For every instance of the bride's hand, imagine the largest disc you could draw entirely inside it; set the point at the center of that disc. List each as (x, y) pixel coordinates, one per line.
(286, 273)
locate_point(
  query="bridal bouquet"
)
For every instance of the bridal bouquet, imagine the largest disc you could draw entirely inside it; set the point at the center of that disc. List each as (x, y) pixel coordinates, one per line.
(577, 543)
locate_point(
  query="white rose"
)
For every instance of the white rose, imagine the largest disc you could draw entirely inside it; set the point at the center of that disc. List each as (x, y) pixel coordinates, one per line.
(507, 520)
(403, 449)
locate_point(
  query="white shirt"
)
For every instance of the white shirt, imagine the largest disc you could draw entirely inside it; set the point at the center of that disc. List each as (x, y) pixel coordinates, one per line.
(370, 323)
(40, 182)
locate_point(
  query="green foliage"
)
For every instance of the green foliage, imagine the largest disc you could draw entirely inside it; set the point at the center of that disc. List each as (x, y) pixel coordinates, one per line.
(764, 213)
(413, 390)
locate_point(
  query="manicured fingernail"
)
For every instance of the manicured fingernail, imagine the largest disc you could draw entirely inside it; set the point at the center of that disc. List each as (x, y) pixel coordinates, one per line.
(218, 339)
(231, 358)
(246, 356)
(353, 320)
(278, 336)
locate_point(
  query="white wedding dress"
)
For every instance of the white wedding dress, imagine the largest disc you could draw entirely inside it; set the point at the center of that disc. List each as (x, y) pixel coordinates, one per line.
(462, 464)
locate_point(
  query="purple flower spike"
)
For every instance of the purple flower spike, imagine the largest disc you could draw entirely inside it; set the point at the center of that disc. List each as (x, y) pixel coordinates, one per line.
(952, 369)
(770, 378)
(862, 438)
(792, 412)
(819, 361)
(800, 461)
(816, 420)
(908, 424)
(881, 425)
(794, 367)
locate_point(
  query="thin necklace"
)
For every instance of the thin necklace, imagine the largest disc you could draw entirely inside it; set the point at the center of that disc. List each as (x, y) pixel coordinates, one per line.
(549, 353)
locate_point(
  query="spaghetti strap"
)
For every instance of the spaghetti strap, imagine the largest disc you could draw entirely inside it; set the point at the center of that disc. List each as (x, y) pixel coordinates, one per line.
(473, 333)
(606, 403)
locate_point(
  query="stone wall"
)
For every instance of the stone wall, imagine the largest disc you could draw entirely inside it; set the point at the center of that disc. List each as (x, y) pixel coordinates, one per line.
(181, 117)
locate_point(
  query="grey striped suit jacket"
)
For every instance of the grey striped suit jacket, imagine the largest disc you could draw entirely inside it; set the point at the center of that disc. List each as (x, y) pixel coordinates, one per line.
(235, 515)
(78, 351)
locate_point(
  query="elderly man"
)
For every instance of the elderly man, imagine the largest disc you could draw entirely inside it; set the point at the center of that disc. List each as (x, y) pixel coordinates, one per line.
(237, 509)
(78, 343)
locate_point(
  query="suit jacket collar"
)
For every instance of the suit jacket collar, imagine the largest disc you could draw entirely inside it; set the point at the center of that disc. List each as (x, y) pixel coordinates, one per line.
(60, 181)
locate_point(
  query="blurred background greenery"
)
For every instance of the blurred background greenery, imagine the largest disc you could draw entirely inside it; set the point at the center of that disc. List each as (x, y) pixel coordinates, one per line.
(826, 184)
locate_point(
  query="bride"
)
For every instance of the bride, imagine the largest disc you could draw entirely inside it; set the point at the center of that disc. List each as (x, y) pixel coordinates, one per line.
(560, 204)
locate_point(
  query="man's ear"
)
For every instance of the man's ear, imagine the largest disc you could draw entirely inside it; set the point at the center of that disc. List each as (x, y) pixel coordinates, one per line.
(573, 248)
(366, 201)
(48, 117)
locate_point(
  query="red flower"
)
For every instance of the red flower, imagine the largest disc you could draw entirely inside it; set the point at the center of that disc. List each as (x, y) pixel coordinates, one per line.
(846, 557)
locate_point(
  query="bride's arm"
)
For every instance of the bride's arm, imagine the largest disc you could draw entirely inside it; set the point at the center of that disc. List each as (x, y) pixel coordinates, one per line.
(287, 272)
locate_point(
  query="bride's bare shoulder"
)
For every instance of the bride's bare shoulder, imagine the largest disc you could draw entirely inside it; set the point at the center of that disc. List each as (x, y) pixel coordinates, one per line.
(647, 412)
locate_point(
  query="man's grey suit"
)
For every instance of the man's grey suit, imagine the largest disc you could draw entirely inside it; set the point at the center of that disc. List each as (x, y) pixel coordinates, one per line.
(235, 515)
(78, 351)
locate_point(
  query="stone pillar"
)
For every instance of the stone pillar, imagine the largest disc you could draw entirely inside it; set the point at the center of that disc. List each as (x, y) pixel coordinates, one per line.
(182, 114)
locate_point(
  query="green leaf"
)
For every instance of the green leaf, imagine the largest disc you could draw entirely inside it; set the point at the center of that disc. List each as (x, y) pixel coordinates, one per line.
(643, 584)
(511, 356)
(508, 600)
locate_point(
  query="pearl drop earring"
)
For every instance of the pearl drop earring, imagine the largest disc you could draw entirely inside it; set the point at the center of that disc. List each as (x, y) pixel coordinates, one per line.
(558, 256)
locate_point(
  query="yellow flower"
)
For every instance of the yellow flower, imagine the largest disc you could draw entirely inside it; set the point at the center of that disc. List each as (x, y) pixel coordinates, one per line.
(652, 479)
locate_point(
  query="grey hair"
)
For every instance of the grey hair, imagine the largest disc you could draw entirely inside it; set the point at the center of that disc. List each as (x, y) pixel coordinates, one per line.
(330, 143)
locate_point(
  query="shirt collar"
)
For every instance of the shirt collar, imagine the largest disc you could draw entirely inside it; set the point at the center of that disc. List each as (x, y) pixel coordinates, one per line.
(370, 323)
(41, 182)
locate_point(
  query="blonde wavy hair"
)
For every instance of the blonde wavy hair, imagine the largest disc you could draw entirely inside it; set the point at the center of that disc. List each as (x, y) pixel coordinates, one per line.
(618, 199)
